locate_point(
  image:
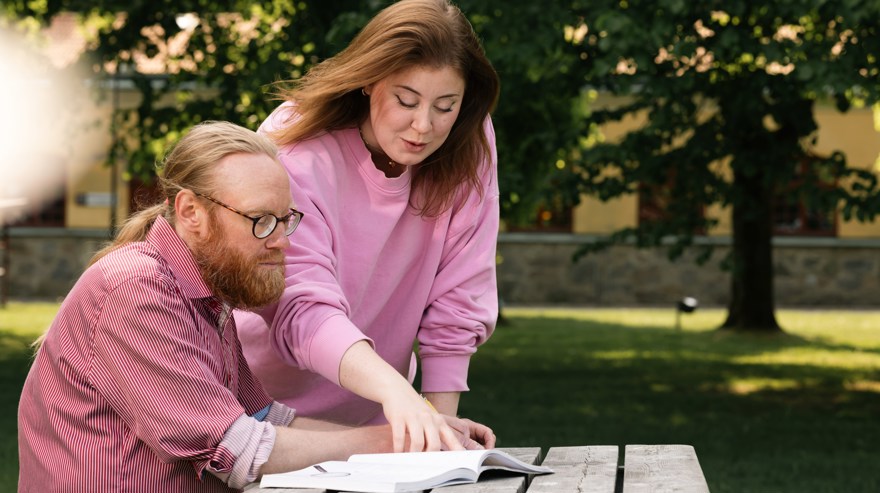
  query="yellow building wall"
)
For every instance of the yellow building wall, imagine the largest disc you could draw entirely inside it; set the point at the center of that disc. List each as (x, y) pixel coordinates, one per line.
(87, 199)
(854, 133)
(97, 182)
(597, 217)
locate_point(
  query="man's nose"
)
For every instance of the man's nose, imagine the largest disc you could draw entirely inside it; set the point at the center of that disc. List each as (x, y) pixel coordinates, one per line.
(278, 240)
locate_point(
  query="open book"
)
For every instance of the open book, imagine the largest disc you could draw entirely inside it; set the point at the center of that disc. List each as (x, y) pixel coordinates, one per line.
(392, 473)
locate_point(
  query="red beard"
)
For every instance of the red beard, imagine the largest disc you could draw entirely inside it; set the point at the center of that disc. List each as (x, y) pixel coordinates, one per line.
(237, 280)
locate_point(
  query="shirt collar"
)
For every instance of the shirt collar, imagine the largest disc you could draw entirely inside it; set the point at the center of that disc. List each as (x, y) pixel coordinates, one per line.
(179, 257)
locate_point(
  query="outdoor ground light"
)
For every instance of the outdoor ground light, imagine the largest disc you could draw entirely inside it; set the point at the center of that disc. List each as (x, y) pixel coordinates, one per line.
(687, 304)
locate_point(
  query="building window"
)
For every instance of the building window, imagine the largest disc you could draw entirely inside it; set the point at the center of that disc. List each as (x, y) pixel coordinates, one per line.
(795, 215)
(50, 216)
(552, 218)
(792, 217)
(655, 201)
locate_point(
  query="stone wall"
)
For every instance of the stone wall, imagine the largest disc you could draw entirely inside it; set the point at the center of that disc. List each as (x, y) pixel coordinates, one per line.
(44, 263)
(537, 269)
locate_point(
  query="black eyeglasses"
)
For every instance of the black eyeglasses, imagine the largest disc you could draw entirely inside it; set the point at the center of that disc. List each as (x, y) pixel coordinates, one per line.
(265, 225)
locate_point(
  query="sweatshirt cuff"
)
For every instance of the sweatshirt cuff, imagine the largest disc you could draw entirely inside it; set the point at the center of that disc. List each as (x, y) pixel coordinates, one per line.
(329, 344)
(445, 373)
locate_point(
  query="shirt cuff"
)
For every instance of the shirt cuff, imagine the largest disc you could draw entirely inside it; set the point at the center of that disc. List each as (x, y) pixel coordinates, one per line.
(445, 373)
(250, 442)
(280, 415)
(329, 344)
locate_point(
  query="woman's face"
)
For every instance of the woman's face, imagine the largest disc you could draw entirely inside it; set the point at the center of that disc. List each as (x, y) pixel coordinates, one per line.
(412, 112)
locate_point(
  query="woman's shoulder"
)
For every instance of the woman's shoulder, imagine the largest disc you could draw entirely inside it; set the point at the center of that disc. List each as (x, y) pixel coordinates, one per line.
(282, 116)
(324, 158)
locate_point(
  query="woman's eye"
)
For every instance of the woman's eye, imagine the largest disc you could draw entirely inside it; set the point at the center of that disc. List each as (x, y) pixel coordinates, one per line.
(405, 104)
(445, 110)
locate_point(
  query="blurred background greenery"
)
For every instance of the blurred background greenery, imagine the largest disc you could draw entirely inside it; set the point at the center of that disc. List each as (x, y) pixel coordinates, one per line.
(719, 99)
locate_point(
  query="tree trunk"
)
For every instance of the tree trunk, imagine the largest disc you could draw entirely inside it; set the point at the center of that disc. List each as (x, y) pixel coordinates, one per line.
(751, 304)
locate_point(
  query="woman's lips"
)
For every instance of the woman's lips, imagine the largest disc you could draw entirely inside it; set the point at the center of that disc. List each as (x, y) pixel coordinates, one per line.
(414, 146)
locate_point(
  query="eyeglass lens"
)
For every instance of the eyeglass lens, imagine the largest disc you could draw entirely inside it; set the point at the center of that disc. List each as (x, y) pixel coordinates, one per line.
(265, 225)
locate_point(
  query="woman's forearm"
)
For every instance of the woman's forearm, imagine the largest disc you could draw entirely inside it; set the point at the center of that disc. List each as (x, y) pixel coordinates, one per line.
(444, 402)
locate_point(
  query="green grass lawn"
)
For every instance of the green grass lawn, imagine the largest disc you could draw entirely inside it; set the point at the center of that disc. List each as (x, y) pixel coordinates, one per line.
(791, 413)
(798, 412)
(20, 323)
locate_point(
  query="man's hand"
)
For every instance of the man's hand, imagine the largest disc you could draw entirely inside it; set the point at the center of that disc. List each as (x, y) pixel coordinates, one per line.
(471, 435)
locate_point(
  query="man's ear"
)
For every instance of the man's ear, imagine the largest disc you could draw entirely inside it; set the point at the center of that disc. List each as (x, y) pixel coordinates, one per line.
(190, 214)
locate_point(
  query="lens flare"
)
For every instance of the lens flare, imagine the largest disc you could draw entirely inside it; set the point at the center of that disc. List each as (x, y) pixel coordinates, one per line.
(45, 114)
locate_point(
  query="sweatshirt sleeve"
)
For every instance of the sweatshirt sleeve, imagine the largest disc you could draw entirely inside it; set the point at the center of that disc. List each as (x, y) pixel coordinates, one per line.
(311, 326)
(463, 305)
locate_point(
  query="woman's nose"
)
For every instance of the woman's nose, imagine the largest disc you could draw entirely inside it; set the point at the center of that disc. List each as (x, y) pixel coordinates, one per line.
(422, 121)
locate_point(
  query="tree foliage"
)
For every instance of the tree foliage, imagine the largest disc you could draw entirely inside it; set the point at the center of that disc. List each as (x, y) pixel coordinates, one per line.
(228, 61)
(219, 67)
(728, 90)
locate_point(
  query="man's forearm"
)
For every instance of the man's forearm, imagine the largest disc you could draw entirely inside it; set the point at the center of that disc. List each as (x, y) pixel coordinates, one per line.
(296, 448)
(318, 425)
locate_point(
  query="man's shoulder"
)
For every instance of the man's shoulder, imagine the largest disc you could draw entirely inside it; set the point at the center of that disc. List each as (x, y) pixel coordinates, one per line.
(134, 260)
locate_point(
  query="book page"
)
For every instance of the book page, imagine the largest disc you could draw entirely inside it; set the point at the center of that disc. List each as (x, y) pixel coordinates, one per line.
(365, 477)
(474, 460)
(396, 472)
(468, 459)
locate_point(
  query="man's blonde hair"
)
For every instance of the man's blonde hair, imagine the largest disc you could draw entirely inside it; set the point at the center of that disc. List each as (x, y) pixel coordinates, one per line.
(190, 165)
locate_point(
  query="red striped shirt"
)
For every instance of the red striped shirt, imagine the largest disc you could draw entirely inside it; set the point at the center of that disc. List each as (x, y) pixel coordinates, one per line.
(135, 385)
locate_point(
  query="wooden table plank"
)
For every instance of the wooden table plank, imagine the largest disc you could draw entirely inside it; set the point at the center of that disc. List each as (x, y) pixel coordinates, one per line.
(662, 468)
(591, 469)
(255, 488)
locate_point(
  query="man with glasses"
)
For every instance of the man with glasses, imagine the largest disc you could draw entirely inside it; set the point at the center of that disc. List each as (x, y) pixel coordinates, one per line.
(140, 384)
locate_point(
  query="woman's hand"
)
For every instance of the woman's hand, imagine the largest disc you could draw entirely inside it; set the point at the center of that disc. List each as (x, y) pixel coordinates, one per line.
(471, 435)
(415, 426)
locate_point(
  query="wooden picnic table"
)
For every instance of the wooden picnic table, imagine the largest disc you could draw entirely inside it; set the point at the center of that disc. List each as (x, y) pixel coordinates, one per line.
(587, 469)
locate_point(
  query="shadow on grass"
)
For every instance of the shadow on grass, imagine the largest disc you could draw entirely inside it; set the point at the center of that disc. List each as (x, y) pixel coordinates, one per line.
(758, 421)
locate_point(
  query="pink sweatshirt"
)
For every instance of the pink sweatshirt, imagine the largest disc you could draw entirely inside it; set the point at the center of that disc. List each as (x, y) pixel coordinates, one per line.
(363, 266)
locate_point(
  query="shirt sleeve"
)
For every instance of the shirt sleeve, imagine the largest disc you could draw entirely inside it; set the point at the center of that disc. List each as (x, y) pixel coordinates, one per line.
(151, 364)
(249, 442)
(463, 304)
(311, 325)
(252, 395)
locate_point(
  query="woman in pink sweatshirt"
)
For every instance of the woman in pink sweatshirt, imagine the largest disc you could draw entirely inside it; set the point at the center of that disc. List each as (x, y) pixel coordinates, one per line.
(391, 153)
